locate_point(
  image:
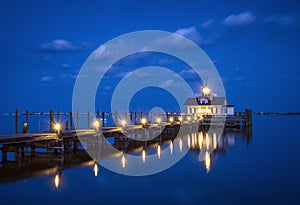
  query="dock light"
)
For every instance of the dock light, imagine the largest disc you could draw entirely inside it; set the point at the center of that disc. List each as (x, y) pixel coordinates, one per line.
(195, 118)
(171, 119)
(57, 127)
(180, 119)
(158, 120)
(123, 123)
(205, 90)
(143, 121)
(188, 118)
(96, 124)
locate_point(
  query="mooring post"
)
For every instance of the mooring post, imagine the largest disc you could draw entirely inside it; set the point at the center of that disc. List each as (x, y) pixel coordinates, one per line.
(150, 117)
(4, 153)
(25, 125)
(77, 119)
(71, 120)
(67, 125)
(52, 120)
(16, 120)
(116, 118)
(130, 117)
(103, 118)
(89, 116)
(250, 117)
(135, 118)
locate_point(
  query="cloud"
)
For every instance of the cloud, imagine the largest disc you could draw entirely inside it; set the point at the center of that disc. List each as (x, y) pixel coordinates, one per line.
(46, 79)
(192, 34)
(65, 65)
(60, 45)
(243, 18)
(207, 24)
(281, 19)
(167, 83)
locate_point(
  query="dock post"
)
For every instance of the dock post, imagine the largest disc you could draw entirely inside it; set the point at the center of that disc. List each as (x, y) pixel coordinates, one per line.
(25, 125)
(4, 154)
(89, 116)
(116, 118)
(27, 116)
(135, 118)
(16, 121)
(130, 117)
(51, 120)
(32, 151)
(103, 118)
(71, 120)
(67, 125)
(77, 119)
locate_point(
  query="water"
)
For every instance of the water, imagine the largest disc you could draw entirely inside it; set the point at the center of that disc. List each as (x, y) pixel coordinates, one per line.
(264, 171)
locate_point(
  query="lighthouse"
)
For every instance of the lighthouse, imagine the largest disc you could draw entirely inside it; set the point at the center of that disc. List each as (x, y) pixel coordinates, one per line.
(208, 104)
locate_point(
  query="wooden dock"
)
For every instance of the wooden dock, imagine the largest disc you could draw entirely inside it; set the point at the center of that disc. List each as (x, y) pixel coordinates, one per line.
(69, 140)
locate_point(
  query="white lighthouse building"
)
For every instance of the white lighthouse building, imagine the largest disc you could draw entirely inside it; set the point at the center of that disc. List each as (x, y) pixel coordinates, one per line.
(207, 104)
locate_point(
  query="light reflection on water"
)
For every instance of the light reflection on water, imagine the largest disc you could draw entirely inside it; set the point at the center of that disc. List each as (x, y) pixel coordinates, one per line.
(249, 173)
(196, 141)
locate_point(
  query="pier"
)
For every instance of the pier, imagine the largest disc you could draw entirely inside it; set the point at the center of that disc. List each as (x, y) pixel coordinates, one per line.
(154, 127)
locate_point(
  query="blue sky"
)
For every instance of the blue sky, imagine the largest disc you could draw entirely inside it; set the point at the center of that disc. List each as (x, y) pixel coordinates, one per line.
(254, 44)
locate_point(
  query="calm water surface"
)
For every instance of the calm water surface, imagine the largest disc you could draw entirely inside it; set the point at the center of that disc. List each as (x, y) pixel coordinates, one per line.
(264, 171)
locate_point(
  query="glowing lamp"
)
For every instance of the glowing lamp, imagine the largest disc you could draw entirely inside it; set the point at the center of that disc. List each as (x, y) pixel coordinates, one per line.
(144, 121)
(180, 119)
(205, 90)
(57, 127)
(123, 123)
(96, 124)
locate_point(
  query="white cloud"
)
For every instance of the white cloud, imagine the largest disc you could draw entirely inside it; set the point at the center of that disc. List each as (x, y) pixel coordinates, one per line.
(65, 65)
(59, 45)
(166, 83)
(207, 24)
(281, 19)
(243, 18)
(46, 79)
(192, 34)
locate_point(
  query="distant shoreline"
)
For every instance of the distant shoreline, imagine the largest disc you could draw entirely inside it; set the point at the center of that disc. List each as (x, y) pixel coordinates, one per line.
(276, 114)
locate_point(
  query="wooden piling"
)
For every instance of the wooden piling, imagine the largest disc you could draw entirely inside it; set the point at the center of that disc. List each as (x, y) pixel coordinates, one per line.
(77, 119)
(103, 118)
(89, 117)
(116, 118)
(130, 117)
(67, 125)
(71, 120)
(16, 120)
(52, 122)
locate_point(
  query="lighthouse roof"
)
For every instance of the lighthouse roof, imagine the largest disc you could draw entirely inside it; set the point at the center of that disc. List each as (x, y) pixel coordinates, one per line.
(214, 101)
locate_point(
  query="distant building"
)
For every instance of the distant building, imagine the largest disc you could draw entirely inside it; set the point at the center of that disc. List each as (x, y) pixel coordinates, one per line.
(207, 104)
